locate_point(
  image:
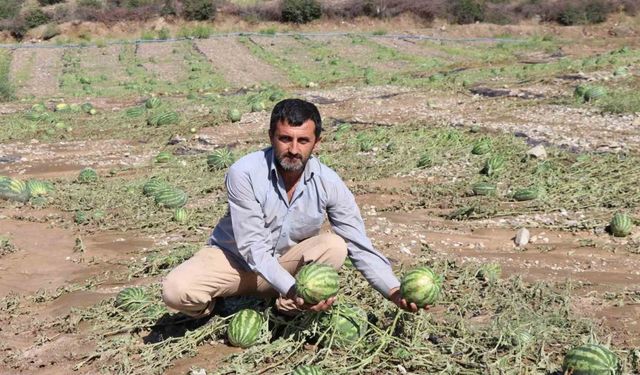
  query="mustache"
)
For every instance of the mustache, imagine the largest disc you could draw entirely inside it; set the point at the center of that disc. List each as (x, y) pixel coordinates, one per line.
(292, 156)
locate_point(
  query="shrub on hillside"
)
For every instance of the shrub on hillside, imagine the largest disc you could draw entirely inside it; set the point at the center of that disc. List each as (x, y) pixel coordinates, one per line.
(49, 2)
(97, 4)
(199, 10)
(578, 12)
(466, 11)
(35, 17)
(300, 11)
(9, 8)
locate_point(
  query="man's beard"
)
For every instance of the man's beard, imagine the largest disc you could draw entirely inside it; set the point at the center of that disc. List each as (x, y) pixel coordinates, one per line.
(291, 163)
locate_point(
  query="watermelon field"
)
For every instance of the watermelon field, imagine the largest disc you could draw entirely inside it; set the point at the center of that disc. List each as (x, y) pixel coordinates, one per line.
(508, 164)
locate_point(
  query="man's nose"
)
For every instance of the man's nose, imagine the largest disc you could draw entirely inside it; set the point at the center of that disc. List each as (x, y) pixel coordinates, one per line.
(295, 148)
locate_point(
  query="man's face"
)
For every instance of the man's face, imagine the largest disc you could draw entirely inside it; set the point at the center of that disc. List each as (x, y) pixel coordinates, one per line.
(293, 145)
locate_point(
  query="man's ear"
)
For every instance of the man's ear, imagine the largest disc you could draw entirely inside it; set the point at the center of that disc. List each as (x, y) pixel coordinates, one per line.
(318, 140)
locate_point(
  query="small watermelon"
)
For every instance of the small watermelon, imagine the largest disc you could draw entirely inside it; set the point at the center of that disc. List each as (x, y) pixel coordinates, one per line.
(135, 111)
(62, 107)
(220, 159)
(258, 107)
(527, 194)
(39, 188)
(316, 282)
(132, 299)
(152, 102)
(151, 187)
(489, 272)
(421, 286)
(579, 91)
(234, 115)
(591, 359)
(244, 328)
(163, 118)
(163, 157)
(483, 188)
(493, 165)
(14, 189)
(346, 325)
(170, 197)
(87, 175)
(621, 225)
(481, 147)
(594, 93)
(307, 370)
(180, 215)
(38, 107)
(86, 107)
(425, 161)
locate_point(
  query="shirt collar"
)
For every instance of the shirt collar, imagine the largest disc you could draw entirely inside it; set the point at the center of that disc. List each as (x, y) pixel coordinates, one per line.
(309, 170)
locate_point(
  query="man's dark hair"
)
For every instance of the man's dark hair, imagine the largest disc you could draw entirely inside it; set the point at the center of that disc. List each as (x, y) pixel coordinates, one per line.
(295, 112)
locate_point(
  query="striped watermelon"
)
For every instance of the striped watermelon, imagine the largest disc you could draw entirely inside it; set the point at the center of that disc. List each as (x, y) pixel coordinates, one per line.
(594, 93)
(522, 338)
(258, 107)
(316, 282)
(245, 328)
(421, 286)
(86, 107)
(14, 189)
(39, 188)
(152, 102)
(620, 225)
(591, 359)
(38, 107)
(87, 175)
(135, 111)
(234, 115)
(151, 187)
(493, 165)
(481, 147)
(163, 118)
(346, 325)
(527, 194)
(489, 272)
(483, 188)
(220, 159)
(180, 215)
(171, 197)
(163, 157)
(132, 299)
(579, 91)
(307, 370)
(425, 161)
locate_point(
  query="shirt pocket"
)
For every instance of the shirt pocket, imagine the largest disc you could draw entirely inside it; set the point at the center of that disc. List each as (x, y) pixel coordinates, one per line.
(306, 225)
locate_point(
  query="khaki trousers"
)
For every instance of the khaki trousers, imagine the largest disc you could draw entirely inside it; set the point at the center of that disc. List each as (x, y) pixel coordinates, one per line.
(191, 287)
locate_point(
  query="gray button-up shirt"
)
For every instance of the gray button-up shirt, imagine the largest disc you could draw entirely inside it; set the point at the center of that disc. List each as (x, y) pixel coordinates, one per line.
(262, 224)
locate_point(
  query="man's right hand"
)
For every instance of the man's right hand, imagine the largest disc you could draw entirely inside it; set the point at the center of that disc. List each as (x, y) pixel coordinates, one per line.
(320, 306)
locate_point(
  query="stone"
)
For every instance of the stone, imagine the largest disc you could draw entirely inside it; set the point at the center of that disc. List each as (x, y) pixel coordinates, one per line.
(522, 237)
(538, 152)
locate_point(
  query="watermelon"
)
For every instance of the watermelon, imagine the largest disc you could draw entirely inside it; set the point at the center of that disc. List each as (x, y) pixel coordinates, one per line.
(152, 102)
(244, 328)
(621, 225)
(425, 161)
(620, 71)
(483, 188)
(87, 175)
(39, 188)
(527, 194)
(579, 91)
(522, 338)
(163, 118)
(258, 107)
(170, 197)
(151, 187)
(62, 107)
(591, 359)
(481, 147)
(594, 93)
(163, 157)
(489, 272)
(421, 286)
(38, 107)
(34, 116)
(346, 325)
(493, 165)
(86, 107)
(180, 215)
(234, 115)
(307, 370)
(135, 111)
(316, 282)
(220, 159)
(132, 299)
(14, 189)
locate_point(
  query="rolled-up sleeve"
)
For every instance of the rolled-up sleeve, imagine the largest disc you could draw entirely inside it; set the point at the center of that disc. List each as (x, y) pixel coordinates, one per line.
(346, 221)
(252, 237)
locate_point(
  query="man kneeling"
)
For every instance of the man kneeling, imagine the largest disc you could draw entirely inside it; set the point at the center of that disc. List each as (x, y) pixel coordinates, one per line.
(278, 198)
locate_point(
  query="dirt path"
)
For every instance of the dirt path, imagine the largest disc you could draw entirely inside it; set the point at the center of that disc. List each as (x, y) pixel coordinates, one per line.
(237, 64)
(159, 59)
(103, 61)
(42, 80)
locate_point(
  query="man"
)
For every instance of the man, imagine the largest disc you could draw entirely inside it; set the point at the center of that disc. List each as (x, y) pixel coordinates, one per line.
(278, 198)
